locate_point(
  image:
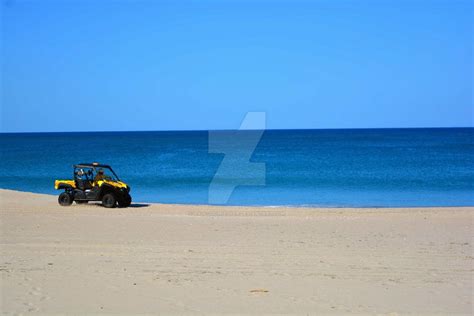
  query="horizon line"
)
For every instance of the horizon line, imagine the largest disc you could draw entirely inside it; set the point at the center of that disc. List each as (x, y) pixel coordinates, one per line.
(226, 130)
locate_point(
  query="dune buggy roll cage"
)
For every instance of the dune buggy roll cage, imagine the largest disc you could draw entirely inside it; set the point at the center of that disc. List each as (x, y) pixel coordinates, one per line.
(94, 166)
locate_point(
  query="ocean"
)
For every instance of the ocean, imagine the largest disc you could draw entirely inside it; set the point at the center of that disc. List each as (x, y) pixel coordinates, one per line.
(336, 168)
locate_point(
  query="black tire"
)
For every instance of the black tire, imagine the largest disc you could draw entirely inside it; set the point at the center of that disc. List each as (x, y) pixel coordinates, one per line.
(125, 201)
(65, 199)
(109, 200)
(82, 202)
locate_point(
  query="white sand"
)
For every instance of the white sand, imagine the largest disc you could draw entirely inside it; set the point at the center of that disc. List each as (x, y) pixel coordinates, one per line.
(200, 259)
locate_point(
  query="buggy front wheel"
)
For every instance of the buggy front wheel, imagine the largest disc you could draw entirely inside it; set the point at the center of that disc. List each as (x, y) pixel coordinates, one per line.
(125, 201)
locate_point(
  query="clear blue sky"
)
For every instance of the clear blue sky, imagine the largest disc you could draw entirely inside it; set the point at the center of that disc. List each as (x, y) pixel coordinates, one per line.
(156, 65)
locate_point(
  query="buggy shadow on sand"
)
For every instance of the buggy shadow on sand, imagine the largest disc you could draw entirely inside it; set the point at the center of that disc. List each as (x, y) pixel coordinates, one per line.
(94, 182)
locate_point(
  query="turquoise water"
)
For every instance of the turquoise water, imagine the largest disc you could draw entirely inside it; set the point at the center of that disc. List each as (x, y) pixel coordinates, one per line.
(373, 167)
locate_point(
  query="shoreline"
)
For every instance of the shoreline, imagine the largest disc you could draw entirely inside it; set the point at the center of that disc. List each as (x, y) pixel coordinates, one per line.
(181, 259)
(266, 208)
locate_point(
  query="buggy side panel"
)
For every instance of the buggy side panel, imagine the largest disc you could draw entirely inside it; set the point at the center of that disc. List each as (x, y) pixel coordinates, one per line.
(64, 184)
(115, 184)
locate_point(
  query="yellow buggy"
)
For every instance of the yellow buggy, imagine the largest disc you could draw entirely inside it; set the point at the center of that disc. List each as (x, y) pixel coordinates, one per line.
(94, 182)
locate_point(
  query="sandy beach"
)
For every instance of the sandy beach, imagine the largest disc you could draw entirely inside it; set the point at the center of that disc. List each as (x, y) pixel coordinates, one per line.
(153, 258)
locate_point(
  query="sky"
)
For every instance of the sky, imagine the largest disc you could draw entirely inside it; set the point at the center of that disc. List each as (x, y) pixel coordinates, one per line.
(197, 65)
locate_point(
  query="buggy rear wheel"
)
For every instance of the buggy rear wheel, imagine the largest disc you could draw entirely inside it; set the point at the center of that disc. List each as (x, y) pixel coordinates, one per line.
(109, 200)
(65, 199)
